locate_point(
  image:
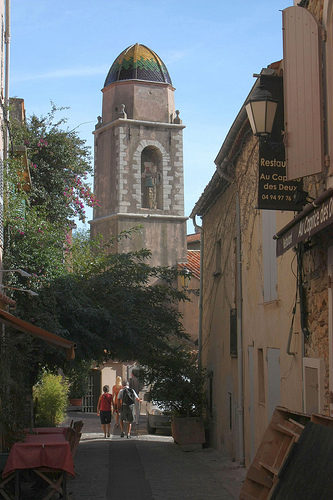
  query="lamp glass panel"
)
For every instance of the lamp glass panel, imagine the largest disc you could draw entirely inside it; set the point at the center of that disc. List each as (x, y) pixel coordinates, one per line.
(259, 116)
(184, 281)
(250, 117)
(270, 115)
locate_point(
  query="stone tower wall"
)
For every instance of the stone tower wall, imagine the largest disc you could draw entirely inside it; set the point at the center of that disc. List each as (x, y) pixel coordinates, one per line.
(140, 129)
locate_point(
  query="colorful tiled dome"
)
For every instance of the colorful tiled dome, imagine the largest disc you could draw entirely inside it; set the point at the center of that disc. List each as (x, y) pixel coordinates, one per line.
(138, 62)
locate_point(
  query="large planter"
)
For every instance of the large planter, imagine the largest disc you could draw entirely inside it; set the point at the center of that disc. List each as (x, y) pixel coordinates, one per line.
(188, 430)
(76, 402)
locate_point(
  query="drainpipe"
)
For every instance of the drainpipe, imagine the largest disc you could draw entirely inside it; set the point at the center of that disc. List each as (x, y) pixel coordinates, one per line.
(240, 403)
(200, 230)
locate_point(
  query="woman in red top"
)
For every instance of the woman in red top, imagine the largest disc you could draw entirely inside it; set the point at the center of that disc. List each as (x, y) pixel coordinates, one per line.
(104, 407)
(115, 391)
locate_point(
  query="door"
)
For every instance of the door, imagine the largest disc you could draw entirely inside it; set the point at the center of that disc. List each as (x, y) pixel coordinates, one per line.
(90, 401)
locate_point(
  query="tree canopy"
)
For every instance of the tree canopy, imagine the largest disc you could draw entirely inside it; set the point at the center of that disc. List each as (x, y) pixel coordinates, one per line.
(37, 222)
(121, 309)
(59, 166)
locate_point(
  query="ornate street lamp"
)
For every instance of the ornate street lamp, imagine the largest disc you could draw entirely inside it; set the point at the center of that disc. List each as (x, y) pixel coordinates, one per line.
(185, 278)
(261, 108)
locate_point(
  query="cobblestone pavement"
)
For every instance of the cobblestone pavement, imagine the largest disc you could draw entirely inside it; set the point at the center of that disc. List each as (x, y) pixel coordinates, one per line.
(147, 467)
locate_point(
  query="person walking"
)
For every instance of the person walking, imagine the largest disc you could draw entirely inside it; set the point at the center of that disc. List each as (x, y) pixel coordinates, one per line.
(104, 407)
(127, 396)
(115, 391)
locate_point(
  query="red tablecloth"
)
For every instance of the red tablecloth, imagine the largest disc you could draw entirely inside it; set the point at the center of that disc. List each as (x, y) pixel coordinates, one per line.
(47, 430)
(45, 450)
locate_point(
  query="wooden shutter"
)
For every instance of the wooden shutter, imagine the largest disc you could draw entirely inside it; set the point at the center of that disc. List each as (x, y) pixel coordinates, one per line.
(302, 80)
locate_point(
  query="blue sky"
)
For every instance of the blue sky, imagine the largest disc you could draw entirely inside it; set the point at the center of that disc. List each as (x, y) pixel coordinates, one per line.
(61, 51)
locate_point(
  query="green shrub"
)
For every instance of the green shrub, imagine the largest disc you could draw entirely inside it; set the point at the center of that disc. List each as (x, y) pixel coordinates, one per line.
(181, 390)
(51, 399)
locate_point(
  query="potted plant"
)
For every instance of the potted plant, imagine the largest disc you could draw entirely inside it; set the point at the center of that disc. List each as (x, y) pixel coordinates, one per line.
(50, 399)
(183, 394)
(78, 378)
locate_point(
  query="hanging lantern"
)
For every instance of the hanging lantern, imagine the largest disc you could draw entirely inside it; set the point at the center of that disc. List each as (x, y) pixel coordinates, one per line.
(261, 108)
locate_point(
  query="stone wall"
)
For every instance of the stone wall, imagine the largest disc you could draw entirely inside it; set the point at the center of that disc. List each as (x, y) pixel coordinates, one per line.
(315, 285)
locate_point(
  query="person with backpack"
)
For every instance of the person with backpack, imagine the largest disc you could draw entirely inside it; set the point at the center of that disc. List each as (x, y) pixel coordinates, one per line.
(127, 398)
(104, 407)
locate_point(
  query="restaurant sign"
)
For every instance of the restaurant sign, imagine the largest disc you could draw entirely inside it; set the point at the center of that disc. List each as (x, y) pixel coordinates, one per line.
(274, 191)
(313, 218)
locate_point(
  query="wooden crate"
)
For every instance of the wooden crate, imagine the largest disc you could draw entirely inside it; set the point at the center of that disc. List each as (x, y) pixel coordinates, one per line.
(282, 432)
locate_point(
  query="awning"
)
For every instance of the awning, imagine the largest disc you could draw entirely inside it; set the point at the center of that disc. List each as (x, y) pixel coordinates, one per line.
(26, 327)
(315, 217)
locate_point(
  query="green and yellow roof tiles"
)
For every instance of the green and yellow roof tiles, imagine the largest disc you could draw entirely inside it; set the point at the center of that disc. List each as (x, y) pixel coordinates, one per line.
(138, 62)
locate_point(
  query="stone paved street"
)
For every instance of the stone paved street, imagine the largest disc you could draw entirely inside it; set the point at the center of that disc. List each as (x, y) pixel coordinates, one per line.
(148, 467)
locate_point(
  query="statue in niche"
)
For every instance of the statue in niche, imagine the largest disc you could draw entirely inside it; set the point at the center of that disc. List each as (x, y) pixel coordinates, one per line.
(149, 191)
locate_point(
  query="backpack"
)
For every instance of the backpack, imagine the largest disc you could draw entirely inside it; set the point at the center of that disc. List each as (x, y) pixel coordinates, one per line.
(128, 396)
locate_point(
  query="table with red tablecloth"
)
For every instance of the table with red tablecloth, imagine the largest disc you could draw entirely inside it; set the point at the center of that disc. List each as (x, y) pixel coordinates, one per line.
(42, 453)
(47, 430)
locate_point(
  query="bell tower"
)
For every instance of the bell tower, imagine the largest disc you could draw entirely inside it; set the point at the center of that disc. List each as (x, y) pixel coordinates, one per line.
(138, 172)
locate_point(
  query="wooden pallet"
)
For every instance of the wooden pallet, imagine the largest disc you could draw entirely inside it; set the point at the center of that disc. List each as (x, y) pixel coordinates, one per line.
(282, 432)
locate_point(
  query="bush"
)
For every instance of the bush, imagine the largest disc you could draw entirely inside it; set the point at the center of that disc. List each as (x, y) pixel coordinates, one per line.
(181, 392)
(51, 399)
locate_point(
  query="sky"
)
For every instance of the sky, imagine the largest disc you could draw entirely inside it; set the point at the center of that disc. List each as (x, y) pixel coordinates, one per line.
(62, 50)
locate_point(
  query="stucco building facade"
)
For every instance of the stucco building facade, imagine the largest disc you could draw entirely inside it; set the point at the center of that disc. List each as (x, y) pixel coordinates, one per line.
(267, 335)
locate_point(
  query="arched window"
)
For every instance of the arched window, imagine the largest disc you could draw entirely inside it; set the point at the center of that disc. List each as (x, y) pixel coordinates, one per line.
(151, 178)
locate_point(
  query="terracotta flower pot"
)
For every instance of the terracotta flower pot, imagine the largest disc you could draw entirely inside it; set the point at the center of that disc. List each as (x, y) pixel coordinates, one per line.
(188, 430)
(76, 402)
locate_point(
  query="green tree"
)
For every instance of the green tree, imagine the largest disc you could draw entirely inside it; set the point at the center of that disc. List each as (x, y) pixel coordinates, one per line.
(37, 222)
(59, 166)
(115, 306)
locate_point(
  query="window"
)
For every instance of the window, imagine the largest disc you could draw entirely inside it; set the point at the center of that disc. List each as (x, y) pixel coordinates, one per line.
(218, 254)
(230, 411)
(314, 385)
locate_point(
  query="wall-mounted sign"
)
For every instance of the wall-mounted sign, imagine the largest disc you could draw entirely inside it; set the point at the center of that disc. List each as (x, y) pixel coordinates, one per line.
(313, 219)
(274, 191)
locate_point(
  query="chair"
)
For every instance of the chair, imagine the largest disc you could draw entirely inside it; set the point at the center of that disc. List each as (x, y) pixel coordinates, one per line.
(70, 436)
(77, 426)
(73, 438)
(76, 443)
